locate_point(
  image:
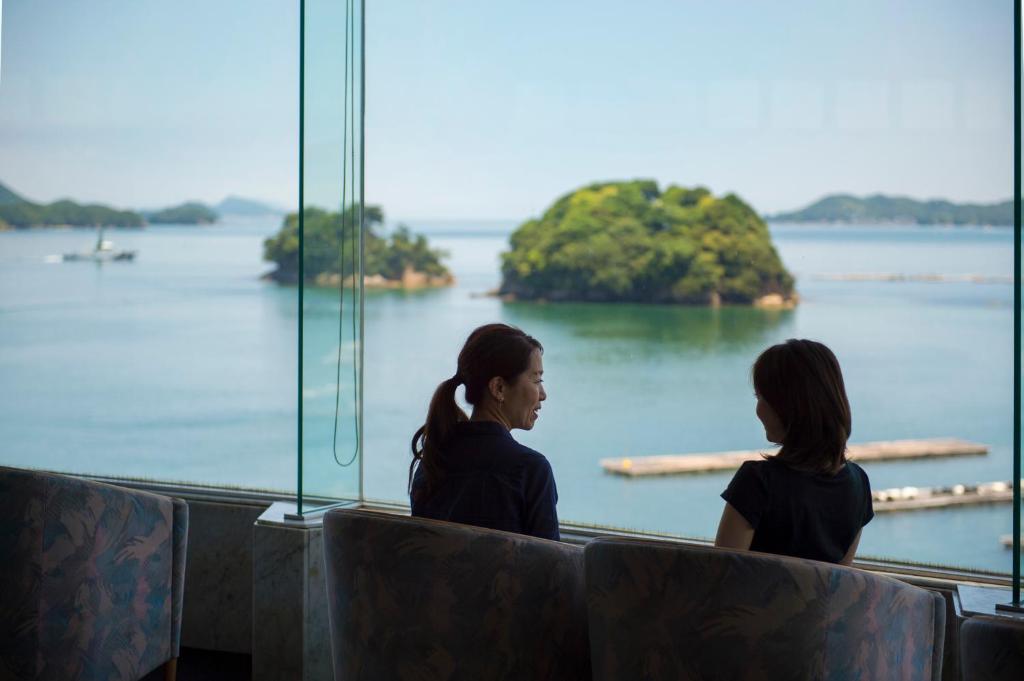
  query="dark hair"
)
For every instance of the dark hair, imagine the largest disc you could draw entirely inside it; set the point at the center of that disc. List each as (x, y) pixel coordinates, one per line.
(802, 382)
(491, 350)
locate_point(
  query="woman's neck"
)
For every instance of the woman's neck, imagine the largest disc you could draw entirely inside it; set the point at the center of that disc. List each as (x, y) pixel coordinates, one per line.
(490, 412)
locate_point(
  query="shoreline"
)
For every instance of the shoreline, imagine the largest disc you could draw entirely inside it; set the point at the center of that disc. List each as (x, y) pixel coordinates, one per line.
(769, 301)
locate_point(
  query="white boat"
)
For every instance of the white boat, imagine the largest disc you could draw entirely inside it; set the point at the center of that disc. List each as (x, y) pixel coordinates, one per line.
(102, 252)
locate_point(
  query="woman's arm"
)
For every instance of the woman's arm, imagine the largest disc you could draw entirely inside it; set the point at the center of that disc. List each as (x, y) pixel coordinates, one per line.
(852, 551)
(734, 532)
(541, 497)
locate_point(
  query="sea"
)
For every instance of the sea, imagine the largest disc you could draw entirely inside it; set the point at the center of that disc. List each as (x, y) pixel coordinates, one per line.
(182, 366)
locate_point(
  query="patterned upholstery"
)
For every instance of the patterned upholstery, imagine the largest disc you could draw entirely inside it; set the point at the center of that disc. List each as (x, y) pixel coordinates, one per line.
(992, 649)
(429, 600)
(662, 610)
(92, 575)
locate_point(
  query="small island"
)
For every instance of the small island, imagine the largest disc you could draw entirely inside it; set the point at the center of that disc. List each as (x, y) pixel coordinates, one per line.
(190, 213)
(401, 260)
(632, 242)
(878, 208)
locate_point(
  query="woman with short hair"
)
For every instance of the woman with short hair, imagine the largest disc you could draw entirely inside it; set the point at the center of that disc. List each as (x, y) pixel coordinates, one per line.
(807, 500)
(469, 469)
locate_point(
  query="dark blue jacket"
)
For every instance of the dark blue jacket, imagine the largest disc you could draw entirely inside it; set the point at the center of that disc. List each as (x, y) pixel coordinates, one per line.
(490, 480)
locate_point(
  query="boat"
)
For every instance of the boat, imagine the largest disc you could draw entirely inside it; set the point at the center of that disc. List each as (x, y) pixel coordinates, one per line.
(102, 252)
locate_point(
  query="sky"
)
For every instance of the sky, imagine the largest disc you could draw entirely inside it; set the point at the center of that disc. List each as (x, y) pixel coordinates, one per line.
(487, 109)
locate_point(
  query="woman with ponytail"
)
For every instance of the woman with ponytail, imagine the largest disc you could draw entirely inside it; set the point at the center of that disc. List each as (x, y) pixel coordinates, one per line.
(469, 469)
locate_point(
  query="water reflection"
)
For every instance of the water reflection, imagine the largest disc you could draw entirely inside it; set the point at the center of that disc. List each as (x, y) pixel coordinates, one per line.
(658, 329)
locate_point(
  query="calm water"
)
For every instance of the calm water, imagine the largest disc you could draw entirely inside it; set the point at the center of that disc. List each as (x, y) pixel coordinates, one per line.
(182, 365)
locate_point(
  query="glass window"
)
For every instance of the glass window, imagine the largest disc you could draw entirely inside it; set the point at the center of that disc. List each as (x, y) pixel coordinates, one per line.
(509, 149)
(483, 116)
(177, 363)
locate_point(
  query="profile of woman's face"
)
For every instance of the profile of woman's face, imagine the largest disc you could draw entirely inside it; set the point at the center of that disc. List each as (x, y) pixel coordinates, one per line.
(524, 396)
(773, 429)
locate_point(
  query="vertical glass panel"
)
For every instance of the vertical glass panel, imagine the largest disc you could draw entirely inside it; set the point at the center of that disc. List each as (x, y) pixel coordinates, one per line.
(1018, 482)
(330, 280)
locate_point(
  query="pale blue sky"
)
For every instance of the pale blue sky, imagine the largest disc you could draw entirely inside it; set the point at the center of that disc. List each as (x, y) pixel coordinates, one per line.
(492, 109)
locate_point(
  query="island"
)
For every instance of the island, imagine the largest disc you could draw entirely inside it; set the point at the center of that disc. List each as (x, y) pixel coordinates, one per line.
(19, 213)
(632, 242)
(878, 208)
(400, 260)
(190, 213)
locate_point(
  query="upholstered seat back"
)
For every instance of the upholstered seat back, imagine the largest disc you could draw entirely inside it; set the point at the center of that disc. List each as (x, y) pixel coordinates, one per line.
(426, 600)
(92, 575)
(662, 610)
(992, 649)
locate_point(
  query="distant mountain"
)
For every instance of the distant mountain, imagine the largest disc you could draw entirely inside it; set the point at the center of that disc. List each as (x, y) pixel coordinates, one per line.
(191, 213)
(241, 207)
(880, 208)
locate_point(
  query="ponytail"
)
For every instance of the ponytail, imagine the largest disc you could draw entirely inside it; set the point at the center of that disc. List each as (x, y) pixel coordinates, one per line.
(443, 414)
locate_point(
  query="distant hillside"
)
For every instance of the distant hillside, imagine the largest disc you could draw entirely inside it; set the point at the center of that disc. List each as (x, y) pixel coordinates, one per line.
(241, 207)
(15, 211)
(880, 208)
(7, 196)
(191, 213)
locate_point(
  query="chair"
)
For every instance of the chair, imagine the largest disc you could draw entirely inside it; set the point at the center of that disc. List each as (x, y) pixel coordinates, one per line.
(429, 600)
(92, 579)
(661, 610)
(992, 649)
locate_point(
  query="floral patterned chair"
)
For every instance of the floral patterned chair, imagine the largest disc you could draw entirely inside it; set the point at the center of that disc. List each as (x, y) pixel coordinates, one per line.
(430, 600)
(992, 649)
(661, 610)
(92, 577)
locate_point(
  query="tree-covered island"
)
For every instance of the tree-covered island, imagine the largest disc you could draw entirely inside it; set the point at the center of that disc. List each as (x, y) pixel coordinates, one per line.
(633, 242)
(20, 213)
(190, 213)
(879, 208)
(400, 260)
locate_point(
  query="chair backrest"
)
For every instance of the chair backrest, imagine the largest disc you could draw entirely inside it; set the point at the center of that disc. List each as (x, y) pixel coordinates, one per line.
(992, 649)
(661, 610)
(429, 600)
(93, 578)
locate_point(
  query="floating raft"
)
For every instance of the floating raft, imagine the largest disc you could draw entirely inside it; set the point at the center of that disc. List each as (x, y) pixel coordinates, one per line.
(1007, 540)
(893, 450)
(915, 498)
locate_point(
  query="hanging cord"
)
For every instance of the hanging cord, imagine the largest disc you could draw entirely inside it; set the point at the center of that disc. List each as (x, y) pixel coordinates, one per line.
(348, 216)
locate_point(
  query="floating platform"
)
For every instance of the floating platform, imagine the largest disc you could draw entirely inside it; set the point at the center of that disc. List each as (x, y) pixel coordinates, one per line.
(688, 464)
(1007, 540)
(917, 498)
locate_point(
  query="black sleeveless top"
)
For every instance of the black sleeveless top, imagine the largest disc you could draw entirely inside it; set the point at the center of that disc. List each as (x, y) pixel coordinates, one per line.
(490, 480)
(806, 515)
